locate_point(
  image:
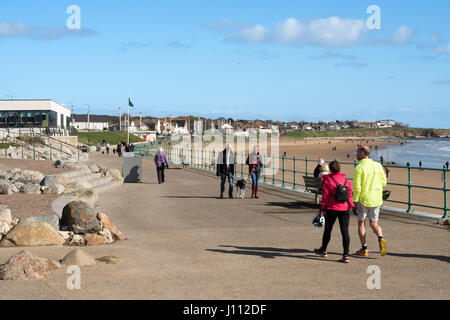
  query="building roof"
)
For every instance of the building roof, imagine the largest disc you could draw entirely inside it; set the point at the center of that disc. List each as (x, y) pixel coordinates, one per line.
(92, 118)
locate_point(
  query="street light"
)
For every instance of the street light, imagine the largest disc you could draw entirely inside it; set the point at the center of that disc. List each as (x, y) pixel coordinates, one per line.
(88, 117)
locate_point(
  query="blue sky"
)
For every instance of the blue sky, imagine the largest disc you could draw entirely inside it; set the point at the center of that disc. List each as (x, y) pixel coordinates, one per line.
(279, 60)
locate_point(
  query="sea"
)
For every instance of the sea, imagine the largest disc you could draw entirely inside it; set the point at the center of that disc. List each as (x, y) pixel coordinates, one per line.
(433, 153)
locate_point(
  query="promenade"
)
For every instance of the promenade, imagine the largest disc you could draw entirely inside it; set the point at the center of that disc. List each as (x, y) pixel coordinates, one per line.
(185, 243)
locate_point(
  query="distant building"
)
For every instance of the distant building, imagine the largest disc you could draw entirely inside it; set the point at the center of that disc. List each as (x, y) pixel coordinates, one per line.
(33, 114)
(92, 122)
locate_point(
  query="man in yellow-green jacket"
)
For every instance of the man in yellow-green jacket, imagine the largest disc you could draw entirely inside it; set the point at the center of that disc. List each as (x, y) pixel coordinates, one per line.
(369, 180)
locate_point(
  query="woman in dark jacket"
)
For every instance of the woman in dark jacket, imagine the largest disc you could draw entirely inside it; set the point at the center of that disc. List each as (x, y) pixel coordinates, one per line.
(255, 164)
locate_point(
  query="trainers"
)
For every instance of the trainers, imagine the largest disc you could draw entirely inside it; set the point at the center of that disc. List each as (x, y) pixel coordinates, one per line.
(362, 252)
(320, 252)
(345, 259)
(383, 248)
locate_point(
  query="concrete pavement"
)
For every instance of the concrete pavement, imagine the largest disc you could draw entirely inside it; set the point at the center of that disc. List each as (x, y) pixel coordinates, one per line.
(185, 243)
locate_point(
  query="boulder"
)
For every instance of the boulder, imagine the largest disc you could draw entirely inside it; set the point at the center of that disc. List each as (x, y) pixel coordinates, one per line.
(93, 239)
(28, 176)
(67, 235)
(30, 188)
(94, 168)
(26, 266)
(109, 260)
(4, 228)
(78, 258)
(31, 234)
(77, 240)
(115, 174)
(49, 181)
(107, 234)
(57, 189)
(108, 224)
(80, 218)
(87, 195)
(4, 175)
(444, 221)
(51, 219)
(8, 188)
(12, 172)
(5, 215)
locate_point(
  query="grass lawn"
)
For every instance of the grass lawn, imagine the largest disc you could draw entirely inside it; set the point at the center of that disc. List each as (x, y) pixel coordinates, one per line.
(113, 138)
(7, 145)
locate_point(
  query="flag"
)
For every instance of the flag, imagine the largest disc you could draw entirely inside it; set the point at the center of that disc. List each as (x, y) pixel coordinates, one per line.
(130, 103)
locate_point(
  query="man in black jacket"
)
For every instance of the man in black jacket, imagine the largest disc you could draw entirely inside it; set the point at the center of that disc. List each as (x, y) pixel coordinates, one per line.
(225, 170)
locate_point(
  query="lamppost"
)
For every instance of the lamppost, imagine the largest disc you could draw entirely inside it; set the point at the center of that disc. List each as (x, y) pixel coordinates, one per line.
(88, 117)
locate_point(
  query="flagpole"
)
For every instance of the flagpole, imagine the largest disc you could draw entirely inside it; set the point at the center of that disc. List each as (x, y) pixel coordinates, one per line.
(128, 124)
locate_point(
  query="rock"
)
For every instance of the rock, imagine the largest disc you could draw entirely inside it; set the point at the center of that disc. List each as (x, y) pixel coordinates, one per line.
(49, 181)
(58, 164)
(87, 195)
(51, 219)
(108, 224)
(67, 235)
(12, 172)
(95, 239)
(57, 189)
(77, 240)
(31, 234)
(8, 189)
(59, 204)
(4, 228)
(28, 176)
(444, 222)
(14, 222)
(109, 260)
(94, 168)
(80, 218)
(115, 174)
(4, 175)
(107, 234)
(26, 266)
(5, 215)
(78, 258)
(31, 189)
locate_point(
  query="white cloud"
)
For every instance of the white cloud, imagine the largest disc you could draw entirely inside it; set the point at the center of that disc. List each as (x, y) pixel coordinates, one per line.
(402, 36)
(332, 32)
(443, 50)
(435, 37)
(21, 30)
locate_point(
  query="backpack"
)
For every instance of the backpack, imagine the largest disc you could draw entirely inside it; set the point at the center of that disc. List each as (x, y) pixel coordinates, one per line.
(342, 192)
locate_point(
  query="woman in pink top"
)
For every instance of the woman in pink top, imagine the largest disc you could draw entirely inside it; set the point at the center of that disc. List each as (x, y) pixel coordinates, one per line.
(332, 207)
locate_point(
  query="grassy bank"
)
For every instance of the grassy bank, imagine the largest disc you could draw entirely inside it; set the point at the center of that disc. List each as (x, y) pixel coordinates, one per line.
(7, 145)
(362, 132)
(113, 138)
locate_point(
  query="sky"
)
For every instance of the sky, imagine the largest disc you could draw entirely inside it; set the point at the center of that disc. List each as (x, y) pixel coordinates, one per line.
(278, 60)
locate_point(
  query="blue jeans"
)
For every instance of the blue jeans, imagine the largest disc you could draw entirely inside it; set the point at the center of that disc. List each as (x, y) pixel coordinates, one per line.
(255, 178)
(223, 179)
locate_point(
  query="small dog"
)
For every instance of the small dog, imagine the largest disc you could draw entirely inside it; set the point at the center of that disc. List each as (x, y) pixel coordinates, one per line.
(241, 188)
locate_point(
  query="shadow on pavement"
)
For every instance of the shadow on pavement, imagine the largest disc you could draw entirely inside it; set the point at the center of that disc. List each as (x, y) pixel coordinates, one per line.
(420, 256)
(293, 205)
(272, 253)
(192, 197)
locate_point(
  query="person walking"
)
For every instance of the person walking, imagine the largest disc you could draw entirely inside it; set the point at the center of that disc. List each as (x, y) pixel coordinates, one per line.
(318, 169)
(255, 164)
(446, 164)
(336, 205)
(369, 180)
(119, 150)
(108, 147)
(161, 163)
(225, 170)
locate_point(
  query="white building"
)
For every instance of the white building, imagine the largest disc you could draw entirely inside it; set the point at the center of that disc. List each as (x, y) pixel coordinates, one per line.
(84, 122)
(33, 114)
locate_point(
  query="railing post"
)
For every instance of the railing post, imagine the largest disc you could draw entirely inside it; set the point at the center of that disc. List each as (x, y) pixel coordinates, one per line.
(306, 166)
(235, 163)
(295, 176)
(410, 209)
(265, 163)
(445, 193)
(283, 184)
(242, 166)
(273, 166)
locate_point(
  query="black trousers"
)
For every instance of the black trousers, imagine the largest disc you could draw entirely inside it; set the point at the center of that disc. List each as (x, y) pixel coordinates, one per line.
(161, 177)
(344, 220)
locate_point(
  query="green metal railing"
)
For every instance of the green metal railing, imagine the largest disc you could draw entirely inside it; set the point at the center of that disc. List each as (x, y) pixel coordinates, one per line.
(206, 160)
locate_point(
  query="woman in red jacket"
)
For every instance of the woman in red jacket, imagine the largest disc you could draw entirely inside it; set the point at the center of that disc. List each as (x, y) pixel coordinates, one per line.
(333, 209)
